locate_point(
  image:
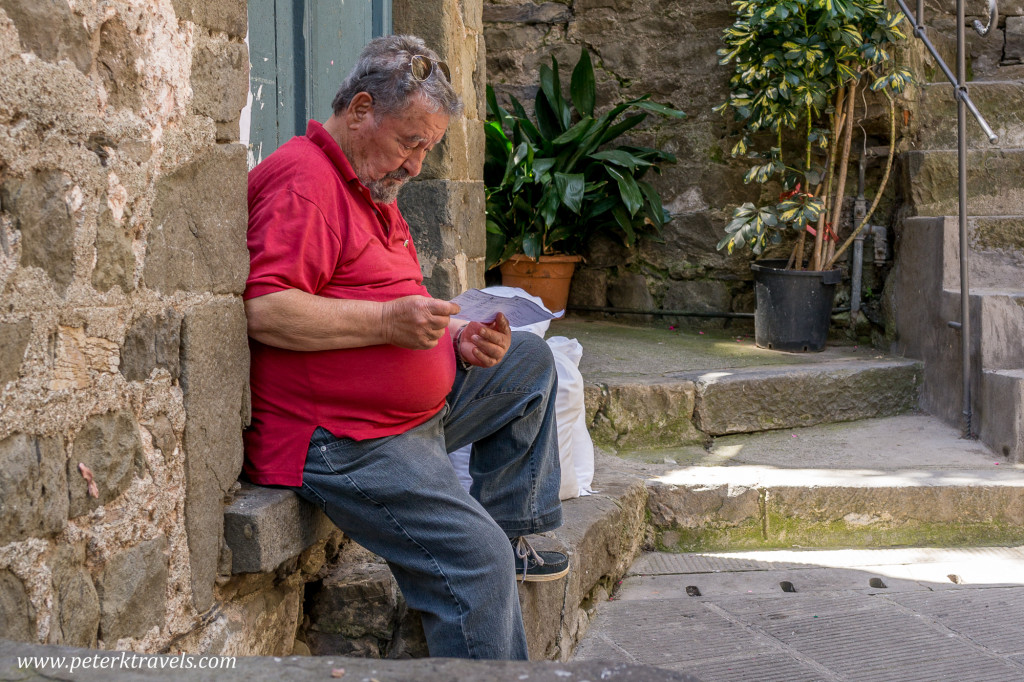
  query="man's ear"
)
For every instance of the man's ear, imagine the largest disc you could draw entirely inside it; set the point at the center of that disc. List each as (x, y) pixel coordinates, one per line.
(360, 109)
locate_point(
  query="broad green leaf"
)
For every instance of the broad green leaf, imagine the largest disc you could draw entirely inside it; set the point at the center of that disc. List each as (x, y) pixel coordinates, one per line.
(628, 190)
(582, 88)
(570, 189)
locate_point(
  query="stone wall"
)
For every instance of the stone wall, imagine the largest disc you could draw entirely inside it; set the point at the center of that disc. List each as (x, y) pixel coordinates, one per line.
(445, 205)
(124, 362)
(123, 353)
(668, 48)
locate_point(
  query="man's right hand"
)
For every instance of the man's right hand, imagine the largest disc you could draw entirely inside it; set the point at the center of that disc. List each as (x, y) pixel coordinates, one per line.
(416, 322)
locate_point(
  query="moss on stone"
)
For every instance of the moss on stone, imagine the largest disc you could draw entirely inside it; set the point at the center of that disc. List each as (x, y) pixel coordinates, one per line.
(783, 532)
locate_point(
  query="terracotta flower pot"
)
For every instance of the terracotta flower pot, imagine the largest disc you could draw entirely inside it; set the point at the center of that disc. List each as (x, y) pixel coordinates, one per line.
(549, 278)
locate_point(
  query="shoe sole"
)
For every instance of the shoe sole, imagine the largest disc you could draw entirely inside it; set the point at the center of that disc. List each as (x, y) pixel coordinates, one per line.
(542, 577)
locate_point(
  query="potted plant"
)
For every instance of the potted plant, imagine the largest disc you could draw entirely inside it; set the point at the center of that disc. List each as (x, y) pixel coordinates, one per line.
(555, 180)
(801, 68)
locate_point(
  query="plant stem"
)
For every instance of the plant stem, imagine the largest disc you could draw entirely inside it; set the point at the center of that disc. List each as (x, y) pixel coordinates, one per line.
(837, 123)
(885, 180)
(844, 164)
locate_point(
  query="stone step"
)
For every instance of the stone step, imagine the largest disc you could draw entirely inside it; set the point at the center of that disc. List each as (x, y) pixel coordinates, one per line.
(653, 387)
(905, 480)
(1002, 417)
(356, 609)
(998, 101)
(929, 182)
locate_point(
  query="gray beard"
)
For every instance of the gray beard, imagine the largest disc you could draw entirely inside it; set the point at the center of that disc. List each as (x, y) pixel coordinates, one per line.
(384, 192)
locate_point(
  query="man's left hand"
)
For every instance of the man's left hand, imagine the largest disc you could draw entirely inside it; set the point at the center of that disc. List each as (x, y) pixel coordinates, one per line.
(484, 345)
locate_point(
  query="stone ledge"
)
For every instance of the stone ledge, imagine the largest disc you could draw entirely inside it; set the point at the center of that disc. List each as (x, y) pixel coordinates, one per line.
(105, 666)
(265, 527)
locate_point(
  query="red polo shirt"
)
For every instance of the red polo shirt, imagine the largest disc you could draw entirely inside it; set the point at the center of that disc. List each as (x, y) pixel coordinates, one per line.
(313, 227)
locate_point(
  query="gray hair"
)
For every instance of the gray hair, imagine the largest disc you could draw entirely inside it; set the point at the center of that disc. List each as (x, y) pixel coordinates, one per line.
(383, 72)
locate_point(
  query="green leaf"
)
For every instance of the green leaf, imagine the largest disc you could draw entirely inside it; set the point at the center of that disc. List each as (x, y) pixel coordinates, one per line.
(582, 88)
(532, 246)
(570, 189)
(628, 190)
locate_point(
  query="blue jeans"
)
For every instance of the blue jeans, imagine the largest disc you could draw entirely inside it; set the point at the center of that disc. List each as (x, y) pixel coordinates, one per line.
(449, 550)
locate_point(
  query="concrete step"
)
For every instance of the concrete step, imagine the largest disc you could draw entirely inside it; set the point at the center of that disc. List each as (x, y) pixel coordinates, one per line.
(998, 101)
(878, 615)
(653, 387)
(929, 182)
(1001, 425)
(905, 480)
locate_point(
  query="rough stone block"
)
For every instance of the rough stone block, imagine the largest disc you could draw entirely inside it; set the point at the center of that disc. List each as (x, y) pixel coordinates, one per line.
(132, 590)
(264, 527)
(698, 296)
(51, 30)
(116, 62)
(214, 380)
(14, 338)
(17, 618)
(220, 78)
(930, 182)
(115, 261)
(648, 413)
(164, 439)
(152, 341)
(544, 13)
(40, 210)
(748, 400)
(197, 240)
(630, 291)
(77, 605)
(110, 445)
(357, 600)
(446, 218)
(33, 487)
(1013, 50)
(228, 16)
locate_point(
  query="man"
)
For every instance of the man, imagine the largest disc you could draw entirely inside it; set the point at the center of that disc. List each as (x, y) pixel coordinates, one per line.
(361, 383)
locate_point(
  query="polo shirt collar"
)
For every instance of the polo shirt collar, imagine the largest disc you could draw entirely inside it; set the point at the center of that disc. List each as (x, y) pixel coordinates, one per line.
(319, 136)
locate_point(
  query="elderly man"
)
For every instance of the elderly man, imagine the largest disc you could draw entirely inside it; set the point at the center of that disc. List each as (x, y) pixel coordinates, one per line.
(361, 382)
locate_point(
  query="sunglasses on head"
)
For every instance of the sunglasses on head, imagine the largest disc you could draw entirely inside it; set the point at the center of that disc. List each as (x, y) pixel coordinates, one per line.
(421, 68)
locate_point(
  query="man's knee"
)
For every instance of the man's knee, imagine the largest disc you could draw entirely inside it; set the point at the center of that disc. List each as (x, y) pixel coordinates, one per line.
(531, 354)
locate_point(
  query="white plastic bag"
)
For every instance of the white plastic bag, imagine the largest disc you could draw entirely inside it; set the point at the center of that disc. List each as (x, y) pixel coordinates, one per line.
(573, 437)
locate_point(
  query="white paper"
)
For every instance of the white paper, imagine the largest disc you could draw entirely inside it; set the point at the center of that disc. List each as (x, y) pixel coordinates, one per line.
(483, 307)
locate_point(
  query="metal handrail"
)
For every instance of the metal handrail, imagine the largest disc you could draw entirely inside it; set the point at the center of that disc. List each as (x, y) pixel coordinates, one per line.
(964, 103)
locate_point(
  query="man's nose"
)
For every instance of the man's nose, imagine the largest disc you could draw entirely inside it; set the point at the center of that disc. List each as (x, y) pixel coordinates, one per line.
(414, 163)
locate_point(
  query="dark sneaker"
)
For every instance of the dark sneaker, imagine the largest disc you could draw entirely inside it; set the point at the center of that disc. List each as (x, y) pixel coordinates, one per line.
(538, 566)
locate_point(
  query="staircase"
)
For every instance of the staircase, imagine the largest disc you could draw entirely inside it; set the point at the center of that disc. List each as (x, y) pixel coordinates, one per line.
(925, 282)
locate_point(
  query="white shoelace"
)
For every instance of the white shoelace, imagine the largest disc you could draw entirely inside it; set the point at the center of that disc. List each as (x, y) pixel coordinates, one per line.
(524, 550)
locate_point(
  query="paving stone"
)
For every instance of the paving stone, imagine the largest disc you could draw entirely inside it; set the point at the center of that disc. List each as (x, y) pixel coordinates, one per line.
(51, 30)
(152, 341)
(14, 338)
(132, 590)
(264, 527)
(109, 667)
(110, 445)
(33, 487)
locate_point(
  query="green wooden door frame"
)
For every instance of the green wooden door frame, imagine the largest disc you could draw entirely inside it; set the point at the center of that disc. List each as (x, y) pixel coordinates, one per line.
(300, 51)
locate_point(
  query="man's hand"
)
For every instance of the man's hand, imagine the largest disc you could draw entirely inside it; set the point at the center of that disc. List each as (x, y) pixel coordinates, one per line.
(484, 345)
(416, 322)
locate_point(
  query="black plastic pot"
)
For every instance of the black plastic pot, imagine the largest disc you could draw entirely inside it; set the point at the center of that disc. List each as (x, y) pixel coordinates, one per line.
(794, 307)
